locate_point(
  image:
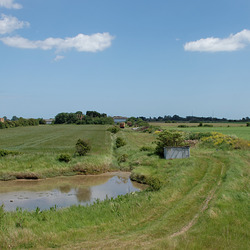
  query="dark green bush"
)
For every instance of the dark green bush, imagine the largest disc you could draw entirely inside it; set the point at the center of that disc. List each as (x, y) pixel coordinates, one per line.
(208, 125)
(82, 147)
(114, 129)
(4, 152)
(154, 182)
(182, 126)
(248, 124)
(197, 135)
(64, 157)
(122, 158)
(146, 148)
(120, 142)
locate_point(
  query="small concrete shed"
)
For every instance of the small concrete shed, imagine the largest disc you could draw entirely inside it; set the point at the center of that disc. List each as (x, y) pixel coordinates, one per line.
(176, 152)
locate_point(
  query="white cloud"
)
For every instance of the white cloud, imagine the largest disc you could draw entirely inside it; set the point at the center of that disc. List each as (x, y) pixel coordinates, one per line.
(10, 23)
(232, 43)
(81, 42)
(58, 58)
(9, 4)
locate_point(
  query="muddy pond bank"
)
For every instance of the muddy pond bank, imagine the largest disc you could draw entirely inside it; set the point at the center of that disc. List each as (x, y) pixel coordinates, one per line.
(65, 191)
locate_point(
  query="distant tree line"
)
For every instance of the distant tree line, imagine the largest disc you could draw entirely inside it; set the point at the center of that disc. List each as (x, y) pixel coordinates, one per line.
(91, 117)
(20, 122)
(191, 119)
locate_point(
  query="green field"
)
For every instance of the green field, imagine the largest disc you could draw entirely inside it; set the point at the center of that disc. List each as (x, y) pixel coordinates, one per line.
(41, 146)
(238, 129)
(197, 203)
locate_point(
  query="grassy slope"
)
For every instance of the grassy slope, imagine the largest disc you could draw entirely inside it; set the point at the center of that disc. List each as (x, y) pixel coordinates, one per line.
(204, 203)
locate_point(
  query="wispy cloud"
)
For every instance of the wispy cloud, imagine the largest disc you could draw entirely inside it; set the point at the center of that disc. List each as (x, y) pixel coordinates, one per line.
(10, 4)
(232, 43)
(58, 58)
(81, 42)
(9, 23)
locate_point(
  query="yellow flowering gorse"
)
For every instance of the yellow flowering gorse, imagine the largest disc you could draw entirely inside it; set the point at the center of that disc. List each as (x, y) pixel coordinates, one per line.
(225, 141)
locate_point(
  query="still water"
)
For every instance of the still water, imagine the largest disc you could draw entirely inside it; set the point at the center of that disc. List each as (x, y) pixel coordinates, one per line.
(64, 191)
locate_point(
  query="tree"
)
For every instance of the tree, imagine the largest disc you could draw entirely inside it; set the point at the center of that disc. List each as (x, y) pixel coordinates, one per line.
(61, 118)
(14, 118)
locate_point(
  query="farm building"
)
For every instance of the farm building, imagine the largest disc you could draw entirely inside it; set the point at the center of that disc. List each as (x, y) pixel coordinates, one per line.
(1, 119)
(49, 121)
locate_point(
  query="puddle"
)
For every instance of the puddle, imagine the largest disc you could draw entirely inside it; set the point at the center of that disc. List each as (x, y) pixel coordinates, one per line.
(64, 191)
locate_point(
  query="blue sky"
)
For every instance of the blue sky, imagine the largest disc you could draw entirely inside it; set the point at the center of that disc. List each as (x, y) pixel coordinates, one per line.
(131, 58)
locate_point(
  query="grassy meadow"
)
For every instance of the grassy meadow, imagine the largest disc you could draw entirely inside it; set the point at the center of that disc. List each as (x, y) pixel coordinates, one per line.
(197, 203)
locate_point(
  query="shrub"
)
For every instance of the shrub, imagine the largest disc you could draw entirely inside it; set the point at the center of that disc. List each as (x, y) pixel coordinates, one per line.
(82, 147)
(248, 124)
(122, 158)
(145, 148)
(64, 157)
(208, 125)
(200, 124)
(120, 142)
(114, 129)
(197, 135)
(168, 139)
(182, 126)
(2, 125)
(7, 152)
(219, 140)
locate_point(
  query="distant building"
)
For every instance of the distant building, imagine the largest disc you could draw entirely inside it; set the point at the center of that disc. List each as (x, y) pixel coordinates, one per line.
(122, 124)
(1, 119)
(118, 119)
(49, 121)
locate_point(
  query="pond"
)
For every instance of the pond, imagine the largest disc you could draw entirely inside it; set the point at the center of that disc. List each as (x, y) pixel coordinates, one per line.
(64, 191)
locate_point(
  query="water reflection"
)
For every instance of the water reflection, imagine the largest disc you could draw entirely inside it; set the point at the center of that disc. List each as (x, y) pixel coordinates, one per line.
(83, 194)
(64, 191)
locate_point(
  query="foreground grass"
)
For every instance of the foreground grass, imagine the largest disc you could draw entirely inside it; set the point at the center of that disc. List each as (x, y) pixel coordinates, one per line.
(203, 203)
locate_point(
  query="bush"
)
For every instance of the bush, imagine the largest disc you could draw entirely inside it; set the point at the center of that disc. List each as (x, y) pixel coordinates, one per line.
(64, 157)
(82, 147)
(226, 142)
(182, 126)
(122, 158)
(146, 148)
(197, 135)
(248, 124)
(7, 152)
(114, 129)
(208, 125)
(120, 142)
